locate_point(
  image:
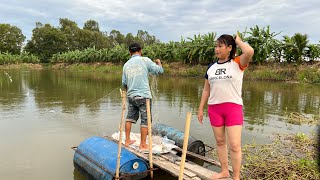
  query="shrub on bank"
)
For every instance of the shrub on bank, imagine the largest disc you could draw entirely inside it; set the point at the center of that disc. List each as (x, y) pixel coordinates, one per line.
(24, 57)
(300, 73)
(311, 75)
(290, 156)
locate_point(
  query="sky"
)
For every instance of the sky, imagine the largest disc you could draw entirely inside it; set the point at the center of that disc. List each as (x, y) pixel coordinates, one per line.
(169, 20)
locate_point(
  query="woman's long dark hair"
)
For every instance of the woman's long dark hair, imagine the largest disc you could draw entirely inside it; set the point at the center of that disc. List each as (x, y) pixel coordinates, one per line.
(228, 40)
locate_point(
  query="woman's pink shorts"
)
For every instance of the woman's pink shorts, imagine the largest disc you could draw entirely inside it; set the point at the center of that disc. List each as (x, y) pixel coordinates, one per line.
(225, 114)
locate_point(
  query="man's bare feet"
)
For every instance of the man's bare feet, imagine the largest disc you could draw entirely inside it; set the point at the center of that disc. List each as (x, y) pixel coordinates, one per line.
(143, 147)
(128, 142)
(220, 175)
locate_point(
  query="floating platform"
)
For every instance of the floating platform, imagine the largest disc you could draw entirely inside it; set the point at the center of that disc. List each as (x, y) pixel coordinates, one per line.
(170, 162)
(96, 158)
(194, 145)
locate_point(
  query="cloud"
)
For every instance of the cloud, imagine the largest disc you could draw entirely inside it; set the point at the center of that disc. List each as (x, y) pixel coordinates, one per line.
(169, 20)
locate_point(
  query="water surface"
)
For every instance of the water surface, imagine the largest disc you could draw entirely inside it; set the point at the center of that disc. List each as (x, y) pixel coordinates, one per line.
(43, 113)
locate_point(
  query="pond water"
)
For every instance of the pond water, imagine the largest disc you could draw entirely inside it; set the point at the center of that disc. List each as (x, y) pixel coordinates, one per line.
(43, 113)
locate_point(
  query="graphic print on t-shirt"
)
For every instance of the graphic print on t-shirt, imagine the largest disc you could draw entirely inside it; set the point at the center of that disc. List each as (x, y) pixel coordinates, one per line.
(225, 80)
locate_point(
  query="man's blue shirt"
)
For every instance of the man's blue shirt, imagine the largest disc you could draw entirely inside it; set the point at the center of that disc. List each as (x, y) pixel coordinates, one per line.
(135, 75)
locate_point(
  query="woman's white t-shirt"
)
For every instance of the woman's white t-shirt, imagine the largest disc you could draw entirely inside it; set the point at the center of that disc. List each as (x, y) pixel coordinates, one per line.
(225, 81)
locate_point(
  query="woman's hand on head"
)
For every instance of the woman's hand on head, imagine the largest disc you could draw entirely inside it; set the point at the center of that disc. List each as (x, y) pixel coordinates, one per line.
(237, 38)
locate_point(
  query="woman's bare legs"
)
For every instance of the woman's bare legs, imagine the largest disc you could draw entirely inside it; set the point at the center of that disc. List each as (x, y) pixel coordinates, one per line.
(220, 136)
(234, 141)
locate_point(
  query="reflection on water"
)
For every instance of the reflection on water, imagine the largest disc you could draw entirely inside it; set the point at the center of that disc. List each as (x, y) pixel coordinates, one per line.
(44, 112)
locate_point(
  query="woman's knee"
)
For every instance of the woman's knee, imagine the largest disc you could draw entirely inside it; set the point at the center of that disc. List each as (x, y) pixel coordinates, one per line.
(221, 142)
(235, 147)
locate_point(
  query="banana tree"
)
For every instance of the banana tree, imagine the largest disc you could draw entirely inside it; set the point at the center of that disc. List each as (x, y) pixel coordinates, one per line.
(201, 48)
(295, 47)
(313, 51)
(262, 41)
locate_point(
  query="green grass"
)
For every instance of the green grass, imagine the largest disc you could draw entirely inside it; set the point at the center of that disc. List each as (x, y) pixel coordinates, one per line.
(311, 75)
(298, 119)
(94, 67)
(290, 156)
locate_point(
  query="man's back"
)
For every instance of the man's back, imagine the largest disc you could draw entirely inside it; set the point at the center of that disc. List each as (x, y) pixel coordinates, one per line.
(135, 75)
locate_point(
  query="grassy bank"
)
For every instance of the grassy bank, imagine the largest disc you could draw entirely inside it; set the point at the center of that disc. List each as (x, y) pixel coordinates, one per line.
(90, 67)
(306, 73)
(289, 156)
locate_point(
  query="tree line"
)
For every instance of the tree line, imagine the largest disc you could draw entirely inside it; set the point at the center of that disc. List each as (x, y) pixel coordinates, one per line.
(68, 43)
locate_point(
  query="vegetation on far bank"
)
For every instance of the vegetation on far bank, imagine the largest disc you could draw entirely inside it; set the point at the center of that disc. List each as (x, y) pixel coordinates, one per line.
(69, 46)
(69, 43)
(305, 73)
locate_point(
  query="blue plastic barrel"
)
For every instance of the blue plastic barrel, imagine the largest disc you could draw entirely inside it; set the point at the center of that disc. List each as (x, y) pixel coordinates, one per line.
(194, 145)
(96, 158)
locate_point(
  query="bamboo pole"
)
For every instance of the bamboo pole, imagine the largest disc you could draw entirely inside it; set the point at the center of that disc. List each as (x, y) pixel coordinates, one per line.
(150, 137)
(185, 145)
(123, 95)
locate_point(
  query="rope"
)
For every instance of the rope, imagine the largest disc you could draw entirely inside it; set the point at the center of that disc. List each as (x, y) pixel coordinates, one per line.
(154, 92)
(104, 96)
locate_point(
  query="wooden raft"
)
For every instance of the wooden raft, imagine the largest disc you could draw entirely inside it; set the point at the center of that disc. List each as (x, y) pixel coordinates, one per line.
(170, 163)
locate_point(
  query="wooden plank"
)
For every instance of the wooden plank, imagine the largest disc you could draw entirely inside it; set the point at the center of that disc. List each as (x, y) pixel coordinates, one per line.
(202, 172)
(208, 160)
(188, 173)
(167, 165)
(170, 163)
(172, 168)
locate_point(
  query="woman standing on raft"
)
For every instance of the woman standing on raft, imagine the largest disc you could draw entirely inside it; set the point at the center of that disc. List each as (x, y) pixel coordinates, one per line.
(222, 89)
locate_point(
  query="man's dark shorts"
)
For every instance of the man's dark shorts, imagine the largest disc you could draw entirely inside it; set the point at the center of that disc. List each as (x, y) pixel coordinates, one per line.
(137, 104)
